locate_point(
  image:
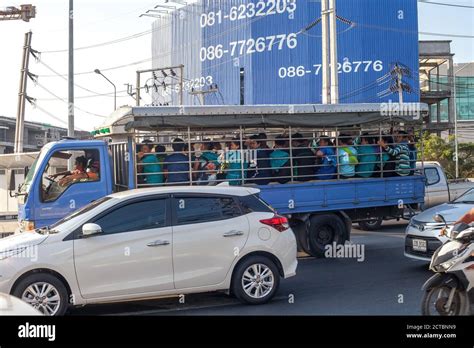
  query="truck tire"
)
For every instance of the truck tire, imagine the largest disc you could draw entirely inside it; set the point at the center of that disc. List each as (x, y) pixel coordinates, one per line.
(301, 234)
(325, 230)
(371, 225)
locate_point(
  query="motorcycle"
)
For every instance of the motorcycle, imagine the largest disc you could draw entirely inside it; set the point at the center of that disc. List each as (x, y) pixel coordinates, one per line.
(450, 291)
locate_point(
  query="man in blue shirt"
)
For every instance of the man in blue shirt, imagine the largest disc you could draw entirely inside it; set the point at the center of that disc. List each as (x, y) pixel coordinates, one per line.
(176, 166)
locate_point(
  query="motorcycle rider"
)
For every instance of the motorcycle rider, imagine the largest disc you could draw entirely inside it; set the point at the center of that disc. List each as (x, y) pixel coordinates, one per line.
(467, 218)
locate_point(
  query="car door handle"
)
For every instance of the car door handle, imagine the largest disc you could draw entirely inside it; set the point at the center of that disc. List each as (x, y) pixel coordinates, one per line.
(233, 234)
(157, 243)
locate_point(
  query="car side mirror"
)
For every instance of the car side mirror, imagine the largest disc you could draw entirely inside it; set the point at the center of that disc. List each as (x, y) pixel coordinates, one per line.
(439, 218)
(89, 230)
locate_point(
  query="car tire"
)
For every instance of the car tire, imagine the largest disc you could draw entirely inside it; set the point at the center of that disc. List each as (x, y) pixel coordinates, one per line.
(371, 225)
(324, 230)
(34, 284)
(245, 280)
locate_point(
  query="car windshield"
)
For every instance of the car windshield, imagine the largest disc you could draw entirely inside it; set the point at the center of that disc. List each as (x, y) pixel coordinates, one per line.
(86, 209)
(467, 198)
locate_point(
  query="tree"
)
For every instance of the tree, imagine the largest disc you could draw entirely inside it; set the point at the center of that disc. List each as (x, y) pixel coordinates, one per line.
(443, 151)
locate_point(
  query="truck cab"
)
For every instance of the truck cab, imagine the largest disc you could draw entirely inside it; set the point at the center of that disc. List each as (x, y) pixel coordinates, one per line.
(46, 197)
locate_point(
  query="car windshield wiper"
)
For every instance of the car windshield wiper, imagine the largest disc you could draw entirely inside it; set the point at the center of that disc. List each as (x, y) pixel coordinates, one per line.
(43, 230)
(465, 202)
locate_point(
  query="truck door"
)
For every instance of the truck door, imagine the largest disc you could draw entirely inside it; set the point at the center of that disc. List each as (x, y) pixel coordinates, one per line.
(437, 190)
(61, 191)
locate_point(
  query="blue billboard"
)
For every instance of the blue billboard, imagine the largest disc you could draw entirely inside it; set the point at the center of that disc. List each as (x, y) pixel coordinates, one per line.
(269, 52)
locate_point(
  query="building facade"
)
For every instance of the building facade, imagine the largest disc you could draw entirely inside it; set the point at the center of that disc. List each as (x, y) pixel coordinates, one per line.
(270, 52)
(35, 137)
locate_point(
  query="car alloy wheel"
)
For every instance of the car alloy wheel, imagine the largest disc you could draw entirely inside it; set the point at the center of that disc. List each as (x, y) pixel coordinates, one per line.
(258, 281)
(44, 297)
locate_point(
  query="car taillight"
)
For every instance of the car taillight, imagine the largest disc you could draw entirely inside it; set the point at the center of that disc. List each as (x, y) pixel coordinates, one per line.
(280, 223)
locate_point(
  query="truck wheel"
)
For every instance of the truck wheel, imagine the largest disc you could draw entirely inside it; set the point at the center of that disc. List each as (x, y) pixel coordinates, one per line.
(44, 292)
(301, 234)
(325, 230)
(371, 225)
(255, 280)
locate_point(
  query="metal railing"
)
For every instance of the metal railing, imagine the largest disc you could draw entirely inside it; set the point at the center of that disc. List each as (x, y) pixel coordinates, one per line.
(276, 156)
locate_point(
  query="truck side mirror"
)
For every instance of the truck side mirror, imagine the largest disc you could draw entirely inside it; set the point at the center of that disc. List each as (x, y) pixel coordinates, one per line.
(11, 181)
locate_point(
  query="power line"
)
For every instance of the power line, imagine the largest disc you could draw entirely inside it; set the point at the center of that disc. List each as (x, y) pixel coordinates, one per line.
(36, 106)
(444, 4)
(66, 102)
(78, 86)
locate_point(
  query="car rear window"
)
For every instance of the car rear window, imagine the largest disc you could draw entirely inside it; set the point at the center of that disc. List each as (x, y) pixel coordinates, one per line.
(254, 204)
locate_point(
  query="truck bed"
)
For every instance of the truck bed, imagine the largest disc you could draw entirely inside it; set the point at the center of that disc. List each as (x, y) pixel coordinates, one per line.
(337, 195)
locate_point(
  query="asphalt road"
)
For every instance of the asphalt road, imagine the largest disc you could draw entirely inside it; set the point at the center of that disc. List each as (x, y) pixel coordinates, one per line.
(385, 283)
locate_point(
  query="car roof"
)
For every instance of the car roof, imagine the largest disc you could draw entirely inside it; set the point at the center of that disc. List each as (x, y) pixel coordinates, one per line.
(217, 190)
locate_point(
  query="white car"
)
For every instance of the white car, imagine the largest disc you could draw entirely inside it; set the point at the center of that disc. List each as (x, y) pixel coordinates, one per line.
(423, 233)
(152, 243)
(12, 306)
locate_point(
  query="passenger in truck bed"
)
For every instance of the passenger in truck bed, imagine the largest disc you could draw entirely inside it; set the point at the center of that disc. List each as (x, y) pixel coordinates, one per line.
(327, 161)
(280, 161)
(400, 152)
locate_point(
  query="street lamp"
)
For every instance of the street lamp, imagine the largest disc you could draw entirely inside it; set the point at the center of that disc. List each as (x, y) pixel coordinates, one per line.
(97, 71)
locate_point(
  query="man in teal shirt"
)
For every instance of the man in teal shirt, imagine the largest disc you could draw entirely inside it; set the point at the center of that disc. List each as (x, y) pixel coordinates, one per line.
(150, 167)
(367, 154)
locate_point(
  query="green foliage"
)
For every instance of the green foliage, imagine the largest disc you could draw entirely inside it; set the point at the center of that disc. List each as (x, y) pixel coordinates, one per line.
(443, 150)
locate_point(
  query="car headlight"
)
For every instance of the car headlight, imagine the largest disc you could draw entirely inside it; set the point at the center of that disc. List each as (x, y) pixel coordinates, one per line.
(5, 254)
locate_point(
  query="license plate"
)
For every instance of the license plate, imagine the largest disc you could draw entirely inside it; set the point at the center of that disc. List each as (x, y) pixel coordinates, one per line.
(420, 245)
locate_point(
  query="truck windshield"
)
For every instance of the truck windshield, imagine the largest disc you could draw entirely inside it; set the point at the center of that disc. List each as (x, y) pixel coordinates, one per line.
(25, 187)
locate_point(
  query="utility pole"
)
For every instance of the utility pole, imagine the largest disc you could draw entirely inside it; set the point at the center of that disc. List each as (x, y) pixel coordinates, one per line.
(70, 131)
(325, 51)
(333, 53)
(24, 13)
(20, 118)
(171, 69)
(400, 85)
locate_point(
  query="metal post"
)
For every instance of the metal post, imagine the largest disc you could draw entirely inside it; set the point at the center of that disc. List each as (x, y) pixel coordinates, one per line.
(325, 52)
(400, 86)
(190, 157)
(137, 94)
(290, 146)
(70, 132)
(456, 140)
(333, 49)
(241, 155)
(181, 85)
(20, 121)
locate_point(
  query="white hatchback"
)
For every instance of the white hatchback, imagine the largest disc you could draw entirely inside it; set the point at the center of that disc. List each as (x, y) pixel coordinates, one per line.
(152, 243)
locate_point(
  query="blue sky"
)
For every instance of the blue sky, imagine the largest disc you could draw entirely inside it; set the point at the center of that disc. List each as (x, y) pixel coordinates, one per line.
(99, 21)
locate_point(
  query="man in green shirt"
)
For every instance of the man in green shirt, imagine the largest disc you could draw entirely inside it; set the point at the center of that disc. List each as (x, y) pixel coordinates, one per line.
(150, 167)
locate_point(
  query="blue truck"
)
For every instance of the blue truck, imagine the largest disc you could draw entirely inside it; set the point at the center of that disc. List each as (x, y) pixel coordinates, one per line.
(321, 211)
